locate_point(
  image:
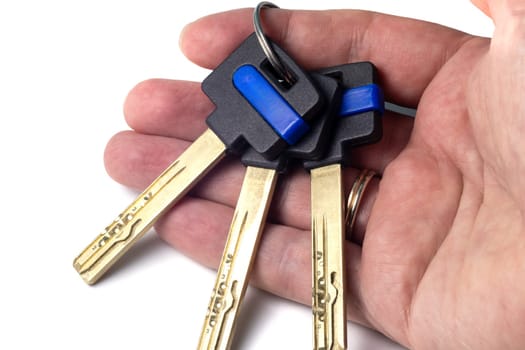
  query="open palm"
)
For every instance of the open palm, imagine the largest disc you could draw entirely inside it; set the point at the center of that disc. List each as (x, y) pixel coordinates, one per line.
(437, 260)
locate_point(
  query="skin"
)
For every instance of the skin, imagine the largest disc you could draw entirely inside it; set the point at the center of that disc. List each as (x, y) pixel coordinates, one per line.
(438, 257)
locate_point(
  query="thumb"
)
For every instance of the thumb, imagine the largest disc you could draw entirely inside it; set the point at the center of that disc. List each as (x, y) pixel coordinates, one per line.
(482, 5)
(495, 99)
(502, 11)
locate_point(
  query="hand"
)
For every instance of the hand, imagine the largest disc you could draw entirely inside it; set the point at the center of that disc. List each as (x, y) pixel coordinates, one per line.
(438, 257)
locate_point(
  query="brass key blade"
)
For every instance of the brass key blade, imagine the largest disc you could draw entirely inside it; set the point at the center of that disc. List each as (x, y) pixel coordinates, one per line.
(328, 269)
(138, 218)
(236, 263)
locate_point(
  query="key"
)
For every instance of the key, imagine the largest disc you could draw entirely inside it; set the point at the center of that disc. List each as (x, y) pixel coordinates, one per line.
(241, 118)
(243, 238)
(359, 123)
(248, 223)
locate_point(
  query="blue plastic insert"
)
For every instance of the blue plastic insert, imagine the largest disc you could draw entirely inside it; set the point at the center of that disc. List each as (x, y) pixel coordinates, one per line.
(263, 97)
(362, 99)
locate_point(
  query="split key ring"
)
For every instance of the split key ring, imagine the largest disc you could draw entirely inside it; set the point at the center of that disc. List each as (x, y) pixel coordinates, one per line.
(274, 60)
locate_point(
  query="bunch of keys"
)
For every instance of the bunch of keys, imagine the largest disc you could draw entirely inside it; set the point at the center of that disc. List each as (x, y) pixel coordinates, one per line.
(273, 115)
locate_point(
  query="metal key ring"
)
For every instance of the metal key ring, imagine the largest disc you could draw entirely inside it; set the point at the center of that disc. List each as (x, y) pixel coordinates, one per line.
(276, 63)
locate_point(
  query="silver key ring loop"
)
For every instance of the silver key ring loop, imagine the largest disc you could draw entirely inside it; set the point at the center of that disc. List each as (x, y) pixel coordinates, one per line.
(276, 63)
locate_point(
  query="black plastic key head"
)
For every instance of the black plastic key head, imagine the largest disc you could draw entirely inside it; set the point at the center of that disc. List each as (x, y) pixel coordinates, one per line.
(255, 108)
(359, 120)
(314, 144)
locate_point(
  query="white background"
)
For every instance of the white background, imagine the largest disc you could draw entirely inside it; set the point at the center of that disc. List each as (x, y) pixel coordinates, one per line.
(65, 69)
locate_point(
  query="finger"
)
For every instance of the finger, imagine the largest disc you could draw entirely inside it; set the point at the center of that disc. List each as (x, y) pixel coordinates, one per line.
(198, 228)
(396, 134)
(179, 109)
(502, 12)
(482, 5)
(135, 160)
(168, 107)
(408, 53)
